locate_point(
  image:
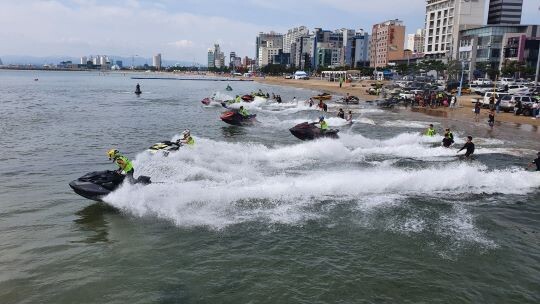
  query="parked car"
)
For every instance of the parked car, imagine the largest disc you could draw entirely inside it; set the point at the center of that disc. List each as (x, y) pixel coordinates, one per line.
(487, 95)
(506, 81)
(482, 81)
(508, 103)
(518, 89)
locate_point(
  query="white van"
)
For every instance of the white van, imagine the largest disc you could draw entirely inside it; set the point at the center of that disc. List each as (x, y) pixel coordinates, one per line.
(485, 100)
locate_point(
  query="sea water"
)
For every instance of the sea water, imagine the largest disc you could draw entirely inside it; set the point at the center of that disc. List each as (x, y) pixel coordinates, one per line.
(252, 214)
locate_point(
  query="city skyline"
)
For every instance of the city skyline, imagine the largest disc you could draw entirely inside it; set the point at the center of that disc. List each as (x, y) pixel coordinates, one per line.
(185, 31)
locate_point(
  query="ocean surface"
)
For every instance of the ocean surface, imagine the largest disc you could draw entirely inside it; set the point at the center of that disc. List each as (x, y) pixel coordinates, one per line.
(252, 214)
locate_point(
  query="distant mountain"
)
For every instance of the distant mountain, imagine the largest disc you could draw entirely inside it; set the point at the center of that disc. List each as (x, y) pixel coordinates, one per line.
(126, 61)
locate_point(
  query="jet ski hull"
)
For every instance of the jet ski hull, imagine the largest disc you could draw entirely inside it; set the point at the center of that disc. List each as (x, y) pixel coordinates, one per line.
(96, 185)
(307, 131)
(236, 119)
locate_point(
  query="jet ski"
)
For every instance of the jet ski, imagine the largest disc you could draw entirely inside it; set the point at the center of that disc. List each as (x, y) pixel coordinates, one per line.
(351, 100)
(228, 88)
(387, 103)
(236, 119)
(96, 185)
(308, 131)
(248, 98)
(165, 146)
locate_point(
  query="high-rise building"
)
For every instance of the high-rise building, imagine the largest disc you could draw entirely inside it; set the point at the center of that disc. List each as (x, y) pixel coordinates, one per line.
(1, 61)
(211, 58)
(415, 42)
(303, 52)
(291, 36)
(444, 19)
(505, 11)
(266, 52)
(272, 39)
(360, 49)
(387, 41)
(84, 60)
(156, 61)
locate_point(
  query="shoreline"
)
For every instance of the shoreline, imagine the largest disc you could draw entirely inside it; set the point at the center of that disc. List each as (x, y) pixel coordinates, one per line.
(462, 113)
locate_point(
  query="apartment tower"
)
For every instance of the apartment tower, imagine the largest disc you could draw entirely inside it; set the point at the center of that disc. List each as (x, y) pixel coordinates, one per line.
(387, 41)
(505, 11)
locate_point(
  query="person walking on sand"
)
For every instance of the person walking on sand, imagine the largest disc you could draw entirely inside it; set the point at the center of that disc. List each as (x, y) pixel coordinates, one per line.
(453, 101)
(340, 82)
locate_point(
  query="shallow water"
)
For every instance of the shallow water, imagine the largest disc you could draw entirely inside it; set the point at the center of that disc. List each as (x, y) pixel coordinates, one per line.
(381, 215)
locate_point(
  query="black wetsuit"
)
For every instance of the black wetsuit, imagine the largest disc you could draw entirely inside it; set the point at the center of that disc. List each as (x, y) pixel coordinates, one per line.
(447, 142)
(491, 120)
(470, 149)
(341, 115)
(537, 163)
(325, 107)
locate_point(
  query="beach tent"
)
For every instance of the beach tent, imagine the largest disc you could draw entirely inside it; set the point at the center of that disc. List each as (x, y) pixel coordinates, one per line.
(300, 75)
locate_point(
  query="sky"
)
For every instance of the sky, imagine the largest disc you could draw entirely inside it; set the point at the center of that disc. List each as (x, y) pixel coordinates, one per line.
(185, 29)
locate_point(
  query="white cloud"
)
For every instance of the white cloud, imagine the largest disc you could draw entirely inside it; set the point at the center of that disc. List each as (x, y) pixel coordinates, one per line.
(51, 27)
(181, 44)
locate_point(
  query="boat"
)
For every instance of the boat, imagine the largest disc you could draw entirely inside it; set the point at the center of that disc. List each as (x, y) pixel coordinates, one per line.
(98, 184)
(323, 96)
(236, 119)
(308, 131)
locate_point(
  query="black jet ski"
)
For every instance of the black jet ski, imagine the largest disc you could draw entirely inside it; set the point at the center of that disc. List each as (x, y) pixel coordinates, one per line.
(387, 103)
(165, 147)
(236, 119)
(308, 131)
(96, 185)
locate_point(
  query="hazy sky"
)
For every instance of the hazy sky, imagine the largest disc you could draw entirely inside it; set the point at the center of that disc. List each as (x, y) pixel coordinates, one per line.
(184, 29)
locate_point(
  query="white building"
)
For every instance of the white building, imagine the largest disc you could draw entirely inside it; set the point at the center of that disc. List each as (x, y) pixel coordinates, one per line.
(444, 19)
(292, 35)
(266, 53)
(415, 42)
(84, 60)
(156, 61)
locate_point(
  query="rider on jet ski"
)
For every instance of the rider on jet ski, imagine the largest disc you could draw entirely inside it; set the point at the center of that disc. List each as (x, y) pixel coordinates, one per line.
(187, 140)
(124, 164)
(243, 112)
(322, 123)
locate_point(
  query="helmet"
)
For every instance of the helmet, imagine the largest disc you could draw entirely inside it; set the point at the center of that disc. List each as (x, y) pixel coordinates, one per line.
(113, 153)
(321, 118)
(186, 132)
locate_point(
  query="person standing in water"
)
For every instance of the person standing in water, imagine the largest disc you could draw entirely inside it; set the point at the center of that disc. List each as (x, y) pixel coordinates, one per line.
(469, 145)
(349, 117)
(449, 133)
(447, 141)
(477, 107)
(536, 162)
(138, 89)
(431, 131)
(341, 114)
(491, 120)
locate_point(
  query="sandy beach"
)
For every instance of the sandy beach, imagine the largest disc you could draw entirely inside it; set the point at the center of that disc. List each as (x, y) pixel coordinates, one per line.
(462, 113)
